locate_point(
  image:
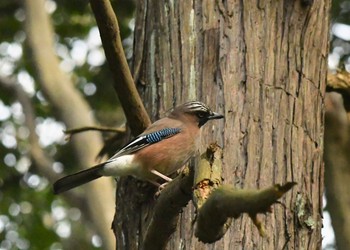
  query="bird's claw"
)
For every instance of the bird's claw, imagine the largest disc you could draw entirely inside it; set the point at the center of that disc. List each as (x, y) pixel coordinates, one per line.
(160, 189)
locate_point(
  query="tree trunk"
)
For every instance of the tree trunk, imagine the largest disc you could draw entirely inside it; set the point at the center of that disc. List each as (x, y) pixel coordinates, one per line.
(261, 63)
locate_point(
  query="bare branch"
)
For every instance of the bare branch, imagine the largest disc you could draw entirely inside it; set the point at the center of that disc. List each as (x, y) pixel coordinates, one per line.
(228, 202)
(135, 112)
(170, 203)
(93, 128)
(339, 80)
(217, 205)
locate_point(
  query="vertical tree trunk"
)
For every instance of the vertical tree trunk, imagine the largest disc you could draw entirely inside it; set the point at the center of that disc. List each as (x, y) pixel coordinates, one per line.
(261, 63)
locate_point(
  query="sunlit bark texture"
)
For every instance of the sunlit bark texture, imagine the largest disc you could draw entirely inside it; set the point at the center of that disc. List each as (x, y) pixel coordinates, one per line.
(262, 64)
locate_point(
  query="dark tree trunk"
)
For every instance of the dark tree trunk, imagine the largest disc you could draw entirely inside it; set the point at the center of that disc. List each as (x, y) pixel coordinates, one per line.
(262, 64)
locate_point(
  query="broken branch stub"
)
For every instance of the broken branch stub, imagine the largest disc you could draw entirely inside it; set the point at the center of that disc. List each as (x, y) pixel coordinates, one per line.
(217, 205)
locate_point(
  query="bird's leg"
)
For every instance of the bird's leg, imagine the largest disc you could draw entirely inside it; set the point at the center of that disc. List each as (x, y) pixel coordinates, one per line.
(164, 177)
(160, 186)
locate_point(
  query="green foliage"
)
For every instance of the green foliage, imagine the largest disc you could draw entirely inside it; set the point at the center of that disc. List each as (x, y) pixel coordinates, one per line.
(340, 48)
(340, 11)
(28, 209)
(10, 13)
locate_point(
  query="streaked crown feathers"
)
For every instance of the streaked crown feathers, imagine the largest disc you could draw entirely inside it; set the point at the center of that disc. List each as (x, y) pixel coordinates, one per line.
(196, 106)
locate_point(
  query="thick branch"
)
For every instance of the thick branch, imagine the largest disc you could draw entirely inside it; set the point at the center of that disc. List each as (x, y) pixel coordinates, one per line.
(340, 82)
(208, 174)
(216, 204)
(228, 202)
(172, 200)
(207, 179)
(124, 85)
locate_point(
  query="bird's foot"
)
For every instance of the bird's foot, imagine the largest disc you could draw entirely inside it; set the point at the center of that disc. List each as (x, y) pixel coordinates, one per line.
(160, 189)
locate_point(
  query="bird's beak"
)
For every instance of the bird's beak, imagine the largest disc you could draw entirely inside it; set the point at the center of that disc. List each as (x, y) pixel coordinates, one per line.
(215, 115)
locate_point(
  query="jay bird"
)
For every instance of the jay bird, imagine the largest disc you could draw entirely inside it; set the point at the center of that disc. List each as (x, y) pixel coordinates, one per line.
(164, 147)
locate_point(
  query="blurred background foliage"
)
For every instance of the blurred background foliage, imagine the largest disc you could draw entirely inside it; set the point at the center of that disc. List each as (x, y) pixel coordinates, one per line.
(340, 36)
(30, 216)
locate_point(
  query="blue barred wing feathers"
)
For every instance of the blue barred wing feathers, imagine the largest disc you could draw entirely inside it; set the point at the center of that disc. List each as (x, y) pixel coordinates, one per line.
(144, 140)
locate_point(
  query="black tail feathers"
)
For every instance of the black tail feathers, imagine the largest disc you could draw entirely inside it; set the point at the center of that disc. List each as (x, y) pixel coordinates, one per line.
(71, 181)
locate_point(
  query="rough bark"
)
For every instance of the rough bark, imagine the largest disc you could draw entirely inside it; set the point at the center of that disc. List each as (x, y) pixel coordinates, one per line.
(70, 108)
(262, 64)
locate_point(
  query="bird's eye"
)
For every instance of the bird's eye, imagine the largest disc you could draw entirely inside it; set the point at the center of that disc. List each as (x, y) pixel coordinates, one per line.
(201, 114)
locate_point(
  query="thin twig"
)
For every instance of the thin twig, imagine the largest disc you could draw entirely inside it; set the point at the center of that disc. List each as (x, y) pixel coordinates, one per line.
(94, 128)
